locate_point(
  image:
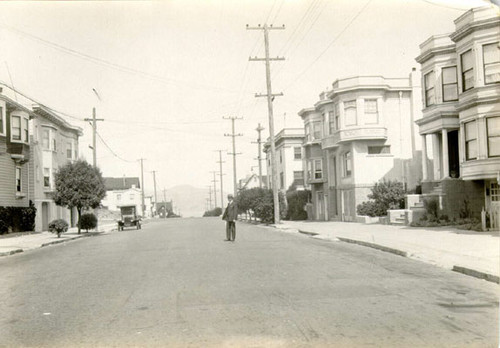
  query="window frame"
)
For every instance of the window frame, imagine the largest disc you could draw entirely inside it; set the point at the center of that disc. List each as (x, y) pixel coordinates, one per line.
(19, 179)
(468, 141)
(463, 72)
(319, 125)
(488, 136)
(3, 122)
(316, 170)
(46, 178)
(484, 64)
(331, 122)
(13, 136)
(351, 104)
(382, 152)
(295, 153)
(443, 84)
(371, 113)
(427, 89)
(347, 164)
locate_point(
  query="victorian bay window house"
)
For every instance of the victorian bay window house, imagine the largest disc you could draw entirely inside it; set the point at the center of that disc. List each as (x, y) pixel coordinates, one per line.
(367, 136)
(463, 123)
(15, 189)
(55, 143)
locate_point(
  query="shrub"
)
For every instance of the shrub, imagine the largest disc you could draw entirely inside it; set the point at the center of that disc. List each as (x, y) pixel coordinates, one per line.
(58, 226)
(214, 212)
(88, 221)
(17, 219)
(261, 202)
(432, 209)
(296, 204)
(385, 195)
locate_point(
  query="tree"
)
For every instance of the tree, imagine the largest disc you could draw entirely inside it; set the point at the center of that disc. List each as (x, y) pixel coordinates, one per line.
(297, 200)
(385, 195)
(80, 186)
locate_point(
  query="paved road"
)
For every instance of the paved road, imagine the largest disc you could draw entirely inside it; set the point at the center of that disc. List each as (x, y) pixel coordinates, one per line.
(177, 283)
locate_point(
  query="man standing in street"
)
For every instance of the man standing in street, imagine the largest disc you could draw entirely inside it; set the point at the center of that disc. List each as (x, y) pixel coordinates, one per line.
(230, 215)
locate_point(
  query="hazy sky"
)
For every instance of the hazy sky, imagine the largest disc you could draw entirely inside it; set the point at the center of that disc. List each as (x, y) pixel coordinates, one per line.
(167, 72)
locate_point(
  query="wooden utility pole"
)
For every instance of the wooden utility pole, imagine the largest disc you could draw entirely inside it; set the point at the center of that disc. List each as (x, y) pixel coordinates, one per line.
(259, 129)
(156, 199)
(94, 121)
(234, 153)
(270, 97)
(215, 189)
(142, 187)
(220, 174)
(210, 196)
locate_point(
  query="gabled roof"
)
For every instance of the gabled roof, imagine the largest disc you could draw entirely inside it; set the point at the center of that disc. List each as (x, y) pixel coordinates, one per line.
(121, 183)
(52, 116)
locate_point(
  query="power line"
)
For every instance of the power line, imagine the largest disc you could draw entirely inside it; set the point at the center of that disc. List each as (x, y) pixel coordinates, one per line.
(112, 65)
(329, 45)
(444, 6)
(111, 150)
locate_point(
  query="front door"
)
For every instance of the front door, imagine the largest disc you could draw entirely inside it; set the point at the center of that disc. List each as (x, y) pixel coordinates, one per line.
(45, 216)
(320, 206)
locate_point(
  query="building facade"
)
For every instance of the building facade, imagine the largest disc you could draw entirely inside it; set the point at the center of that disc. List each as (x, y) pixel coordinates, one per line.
(289, 156)
(125, 191)
(359, 133)
(54, 143)
(15, 175)
(461, 115)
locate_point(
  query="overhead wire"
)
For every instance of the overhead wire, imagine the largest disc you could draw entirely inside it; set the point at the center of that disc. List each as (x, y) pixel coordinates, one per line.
(113, 65)
(329, 45)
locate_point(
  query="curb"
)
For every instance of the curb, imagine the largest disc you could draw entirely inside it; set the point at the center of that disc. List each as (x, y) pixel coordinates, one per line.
(375, 246)
(12, 252)
(308, 233)
(477, 274)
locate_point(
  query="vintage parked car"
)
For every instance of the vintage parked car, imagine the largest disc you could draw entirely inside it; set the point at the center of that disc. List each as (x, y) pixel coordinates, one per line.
(129, 218)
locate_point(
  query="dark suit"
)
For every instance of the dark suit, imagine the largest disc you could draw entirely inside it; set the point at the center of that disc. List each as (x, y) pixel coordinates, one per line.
(230, 215)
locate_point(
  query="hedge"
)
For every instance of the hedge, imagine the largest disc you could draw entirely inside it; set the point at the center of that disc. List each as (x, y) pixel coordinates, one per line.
(17, 219)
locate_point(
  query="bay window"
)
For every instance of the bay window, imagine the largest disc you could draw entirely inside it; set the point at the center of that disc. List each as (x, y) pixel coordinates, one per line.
(318, 169)
(467, 62)
(46, 139)
(429, 82)
(371, 111)
(46, 177)
(493, 130)
(347, 164)
(16, 128)
(18, 179)
(350, 113)
(331, 120)
(491, 63)
(450, 83)
(317, 131)
(470, 140)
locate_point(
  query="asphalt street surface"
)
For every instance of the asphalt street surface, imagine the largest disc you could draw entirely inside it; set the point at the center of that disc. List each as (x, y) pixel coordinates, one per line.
(178, 283)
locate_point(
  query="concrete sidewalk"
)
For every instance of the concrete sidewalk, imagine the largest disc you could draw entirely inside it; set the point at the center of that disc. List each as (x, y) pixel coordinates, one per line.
(10, 245)
(469, 252)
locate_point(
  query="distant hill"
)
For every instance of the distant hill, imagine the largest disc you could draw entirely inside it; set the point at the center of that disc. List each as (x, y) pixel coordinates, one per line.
(189, 200)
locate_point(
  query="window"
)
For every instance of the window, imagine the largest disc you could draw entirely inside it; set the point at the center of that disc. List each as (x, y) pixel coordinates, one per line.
(46, 139)
(2, 121)
(317, 131)
(297, 153)
(337, 116)
(281, 155)
(282, 180)
(318, 169)
(371, 111)
(16, 127)
(450, 85)
(470, 140)
(347, 164)
(18, 179)
(467, 71)
(26, 130)
(493, 127)
(491, 58)
(350, 113)
(69, 150)
(495, 192)
(309, 170)
(298, 175)
(331, 122)
(308, 132)
(54, 144)
(377, 150)
(46, 177)
(429, 81)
